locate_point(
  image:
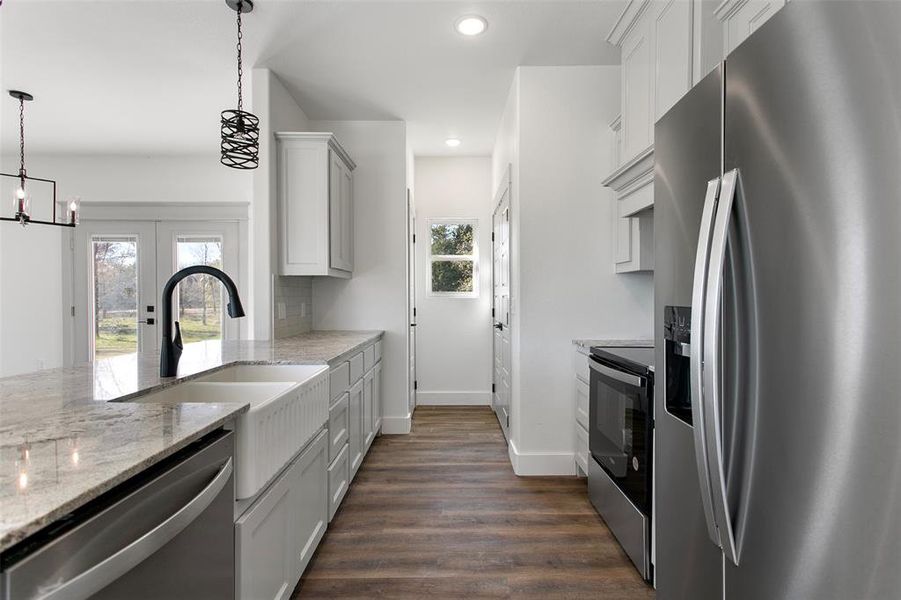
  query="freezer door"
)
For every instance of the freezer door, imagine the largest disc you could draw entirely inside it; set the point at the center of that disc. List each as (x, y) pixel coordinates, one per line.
(812, 452)
(688, 564)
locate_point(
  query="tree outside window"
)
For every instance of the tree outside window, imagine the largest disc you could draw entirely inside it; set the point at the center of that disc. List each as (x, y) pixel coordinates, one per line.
(453, 258)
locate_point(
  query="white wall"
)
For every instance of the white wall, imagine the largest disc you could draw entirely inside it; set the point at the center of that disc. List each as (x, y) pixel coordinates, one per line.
(33, 315)
(277, 111)
(563, 219)
(505, 160)
(375, 298)
(453, 334)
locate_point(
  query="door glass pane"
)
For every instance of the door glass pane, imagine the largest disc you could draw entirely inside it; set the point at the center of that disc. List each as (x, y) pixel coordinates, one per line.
(115, 279)
(200, 297)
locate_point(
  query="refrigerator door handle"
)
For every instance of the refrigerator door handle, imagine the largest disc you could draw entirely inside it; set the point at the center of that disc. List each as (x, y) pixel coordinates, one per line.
(712, 366)
(699, 287)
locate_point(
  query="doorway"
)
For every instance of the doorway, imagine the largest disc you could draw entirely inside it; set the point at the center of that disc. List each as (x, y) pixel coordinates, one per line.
(120, 270)
(502, 364)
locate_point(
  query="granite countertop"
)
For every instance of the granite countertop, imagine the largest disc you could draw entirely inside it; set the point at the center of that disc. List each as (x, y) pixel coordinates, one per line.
(584, 346)
(68, 435)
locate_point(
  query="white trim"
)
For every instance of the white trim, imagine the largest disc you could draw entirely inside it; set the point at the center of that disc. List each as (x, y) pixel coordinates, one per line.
(397, 425)
(626, 21)
(453, 398)
(473, 258)
(541, 463)
(319, 136)
(164, 211)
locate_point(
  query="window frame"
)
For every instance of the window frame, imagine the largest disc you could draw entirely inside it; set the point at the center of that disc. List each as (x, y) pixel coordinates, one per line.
(470, 258)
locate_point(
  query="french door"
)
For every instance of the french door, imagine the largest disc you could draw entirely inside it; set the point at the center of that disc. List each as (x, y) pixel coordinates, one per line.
(115, 288)
(120, 270)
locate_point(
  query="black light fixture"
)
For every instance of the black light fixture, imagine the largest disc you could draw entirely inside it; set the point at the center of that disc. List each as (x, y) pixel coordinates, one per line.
(240, 129)
(22, 198)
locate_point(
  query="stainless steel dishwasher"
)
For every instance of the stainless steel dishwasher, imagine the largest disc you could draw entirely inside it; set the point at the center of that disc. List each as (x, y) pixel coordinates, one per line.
(168, 533)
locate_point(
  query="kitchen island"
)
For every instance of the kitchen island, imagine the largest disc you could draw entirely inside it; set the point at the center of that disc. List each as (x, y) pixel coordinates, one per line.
(68, 435)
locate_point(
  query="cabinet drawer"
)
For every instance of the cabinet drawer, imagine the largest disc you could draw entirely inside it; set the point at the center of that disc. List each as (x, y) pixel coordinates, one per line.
(378, 350)
(580, 365)
(338, 380)
(369, 358)
(337, 426)
(582, 393)
(581, 455)
(337, 482)
(356, 368)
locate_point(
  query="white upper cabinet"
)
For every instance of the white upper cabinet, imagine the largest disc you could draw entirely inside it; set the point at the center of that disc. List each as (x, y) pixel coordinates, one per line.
(315, 205)
(657, 51)
(637, 121)
(672, 35)
(741, 18)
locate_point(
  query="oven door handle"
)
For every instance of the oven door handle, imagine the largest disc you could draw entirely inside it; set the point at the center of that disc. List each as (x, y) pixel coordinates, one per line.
(617, 375)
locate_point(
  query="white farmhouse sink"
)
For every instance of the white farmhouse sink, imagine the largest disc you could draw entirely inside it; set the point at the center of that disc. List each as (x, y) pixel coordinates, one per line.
(265, 373)
(283, 417)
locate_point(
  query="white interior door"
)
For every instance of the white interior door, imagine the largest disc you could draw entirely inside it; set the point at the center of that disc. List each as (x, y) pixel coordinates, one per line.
(502, 368)
(411, 273)
(115, 288)
(200, 300)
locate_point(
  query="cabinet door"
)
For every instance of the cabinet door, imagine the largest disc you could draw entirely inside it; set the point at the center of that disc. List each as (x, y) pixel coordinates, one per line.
(672, 22)
(377, 399)
(265, 546)
(309, 501)
(368, 422)
(355, 427)
(337, 213)
(637, 116)
(347, 222)
(745, 19)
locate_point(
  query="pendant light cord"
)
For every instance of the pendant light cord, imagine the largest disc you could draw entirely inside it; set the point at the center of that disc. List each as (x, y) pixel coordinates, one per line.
(240, 69)
(22, 140)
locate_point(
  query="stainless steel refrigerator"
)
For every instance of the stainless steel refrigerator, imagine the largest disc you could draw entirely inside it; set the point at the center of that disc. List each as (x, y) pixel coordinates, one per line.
(778, 315)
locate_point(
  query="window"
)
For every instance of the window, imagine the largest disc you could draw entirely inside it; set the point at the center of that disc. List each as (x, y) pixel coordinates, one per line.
(199, 297)
(453, 258)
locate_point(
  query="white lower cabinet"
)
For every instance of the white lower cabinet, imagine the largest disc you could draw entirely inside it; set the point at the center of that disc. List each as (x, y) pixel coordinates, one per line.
(582, 393)
(338, 481)
(337, 426)
(276, 537)
(355, 427)
(310, 500)
(368, 421)
(377, 398)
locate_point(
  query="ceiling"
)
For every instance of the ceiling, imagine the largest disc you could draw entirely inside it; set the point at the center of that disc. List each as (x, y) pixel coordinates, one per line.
(150, 77)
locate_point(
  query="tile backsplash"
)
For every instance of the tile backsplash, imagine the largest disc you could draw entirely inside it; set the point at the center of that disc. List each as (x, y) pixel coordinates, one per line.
(293, 310)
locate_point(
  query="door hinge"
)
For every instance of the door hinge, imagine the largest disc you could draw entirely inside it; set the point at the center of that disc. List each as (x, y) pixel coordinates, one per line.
(414, 238)
(414, 311)
(492, 313)
(415, 385)
(493, 388)
(508, 421)
(73, 311)
(492, 236)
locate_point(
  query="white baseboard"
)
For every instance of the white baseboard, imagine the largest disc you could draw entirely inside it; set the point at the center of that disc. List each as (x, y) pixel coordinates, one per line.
(541, 463)
(396, 425)
(453, 398)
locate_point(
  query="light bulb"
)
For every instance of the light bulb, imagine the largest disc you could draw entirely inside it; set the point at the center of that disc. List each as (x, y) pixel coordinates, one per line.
(20, 194)
(73, 210)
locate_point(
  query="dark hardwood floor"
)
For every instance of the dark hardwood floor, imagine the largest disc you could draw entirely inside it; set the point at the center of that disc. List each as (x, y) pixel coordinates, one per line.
(440, 514)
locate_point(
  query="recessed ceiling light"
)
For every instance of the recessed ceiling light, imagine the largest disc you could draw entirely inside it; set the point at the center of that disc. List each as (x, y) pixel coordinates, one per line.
(471, 25)
(452, 142)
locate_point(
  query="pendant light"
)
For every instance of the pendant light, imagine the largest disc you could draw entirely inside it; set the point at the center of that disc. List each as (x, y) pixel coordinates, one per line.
(240, 129)
(22, 196)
